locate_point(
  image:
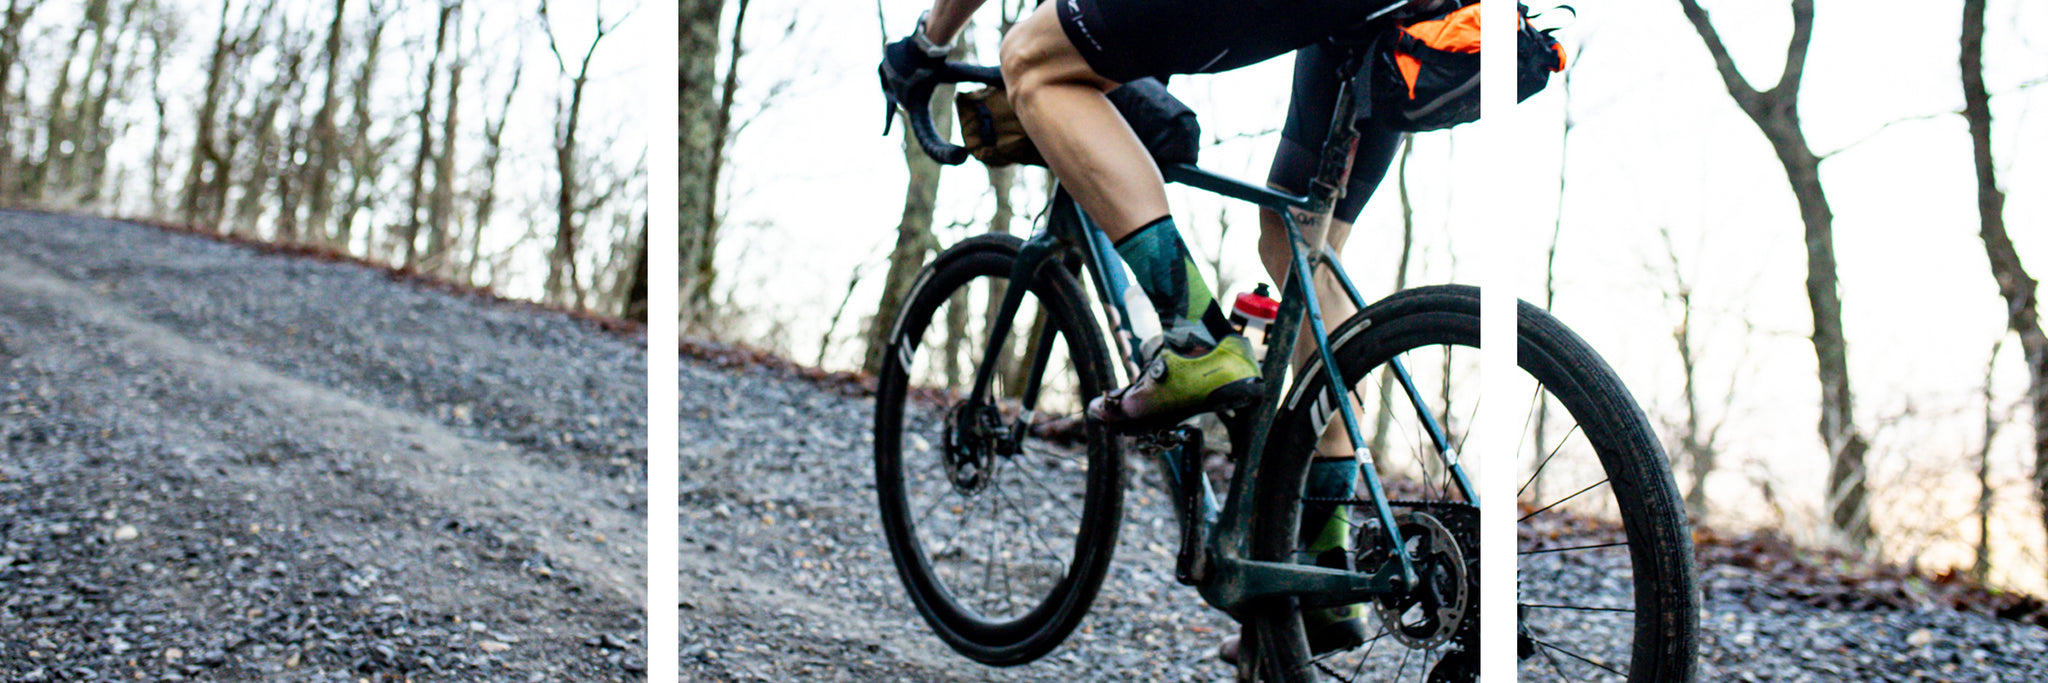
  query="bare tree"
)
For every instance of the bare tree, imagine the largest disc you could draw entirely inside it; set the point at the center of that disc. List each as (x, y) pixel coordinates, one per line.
(424, 155)
(487, 186)
(1699, 443)
(324, 144)
(2021, 292)
(366, 153)
(11, 25)
(1383, 416)
(702, 130)
(209, 174)
(441, 204)
(699, 238)
(1981, 568)
(1776, 114)
(264, 163)
(162, 35)
(562, 280)
(914, 239)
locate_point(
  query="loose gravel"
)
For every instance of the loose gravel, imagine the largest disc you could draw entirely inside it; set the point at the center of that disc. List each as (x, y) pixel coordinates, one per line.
(785, 576)
(227, 465)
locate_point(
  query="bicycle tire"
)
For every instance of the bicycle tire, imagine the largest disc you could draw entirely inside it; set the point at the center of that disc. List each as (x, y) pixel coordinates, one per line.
(1662, 594)
(935, 567)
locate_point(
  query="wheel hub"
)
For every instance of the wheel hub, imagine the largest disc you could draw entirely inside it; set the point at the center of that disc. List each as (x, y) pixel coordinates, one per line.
(974, 436)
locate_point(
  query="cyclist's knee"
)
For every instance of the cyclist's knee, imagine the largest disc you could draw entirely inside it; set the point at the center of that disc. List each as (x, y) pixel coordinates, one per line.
(1036, 53)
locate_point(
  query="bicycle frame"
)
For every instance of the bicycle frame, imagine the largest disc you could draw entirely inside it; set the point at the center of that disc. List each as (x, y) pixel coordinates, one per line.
(1215, 537)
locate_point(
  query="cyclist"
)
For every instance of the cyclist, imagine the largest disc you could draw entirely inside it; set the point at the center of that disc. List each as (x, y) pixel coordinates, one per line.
(1058, 64)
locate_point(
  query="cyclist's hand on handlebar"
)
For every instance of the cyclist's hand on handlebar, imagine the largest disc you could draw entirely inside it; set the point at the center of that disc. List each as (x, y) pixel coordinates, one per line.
(908, 76)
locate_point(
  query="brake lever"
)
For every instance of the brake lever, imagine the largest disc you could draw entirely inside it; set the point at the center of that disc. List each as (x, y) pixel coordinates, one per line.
(888, 101)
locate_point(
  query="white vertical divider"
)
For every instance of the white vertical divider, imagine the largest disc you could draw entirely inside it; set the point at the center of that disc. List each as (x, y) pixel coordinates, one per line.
(664, 336)
(1500, 254)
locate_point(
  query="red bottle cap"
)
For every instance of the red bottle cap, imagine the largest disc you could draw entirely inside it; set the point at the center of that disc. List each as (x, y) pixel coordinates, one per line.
(1252, 305)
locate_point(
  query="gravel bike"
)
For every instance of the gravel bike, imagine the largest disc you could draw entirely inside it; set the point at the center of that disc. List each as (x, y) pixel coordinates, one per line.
(1001, 502)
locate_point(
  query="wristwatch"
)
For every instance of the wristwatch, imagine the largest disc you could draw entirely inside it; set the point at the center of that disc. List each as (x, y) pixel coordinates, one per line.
(924, 42)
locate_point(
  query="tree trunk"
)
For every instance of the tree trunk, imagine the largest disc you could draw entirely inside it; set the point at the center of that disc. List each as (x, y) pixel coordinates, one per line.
(208, 165)
(487, 186)
(913, 231)
(264, 163)
(562, 260)
(59, 123)
(2019, 290)
(16, 16)
(706, 124)
(634, 306)
(1981, 568)
(1776, 114)
(441, 204)
(1695, 442)
(410, 235)
(365, 154)
(325, 143)
(158, 159)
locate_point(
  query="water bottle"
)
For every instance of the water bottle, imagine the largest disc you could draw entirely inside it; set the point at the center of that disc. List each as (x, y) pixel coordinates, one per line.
(1253, 311)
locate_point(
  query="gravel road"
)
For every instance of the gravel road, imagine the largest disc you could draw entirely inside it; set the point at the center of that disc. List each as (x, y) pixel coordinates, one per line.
(226, 465)
(785, 576)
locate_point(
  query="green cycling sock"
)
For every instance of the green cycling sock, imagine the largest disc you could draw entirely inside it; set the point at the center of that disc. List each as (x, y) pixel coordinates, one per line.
(1328, 525)
(1188, 313)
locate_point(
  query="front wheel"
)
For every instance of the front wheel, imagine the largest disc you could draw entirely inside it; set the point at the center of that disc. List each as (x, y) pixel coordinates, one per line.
(1001, 516)
(1607, 588)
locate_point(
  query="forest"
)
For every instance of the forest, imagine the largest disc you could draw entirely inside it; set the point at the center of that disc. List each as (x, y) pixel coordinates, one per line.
(490, 145)
(1804, 250)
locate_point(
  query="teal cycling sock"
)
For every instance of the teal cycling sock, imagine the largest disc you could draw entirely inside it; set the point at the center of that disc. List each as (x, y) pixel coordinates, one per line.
(1188, 313)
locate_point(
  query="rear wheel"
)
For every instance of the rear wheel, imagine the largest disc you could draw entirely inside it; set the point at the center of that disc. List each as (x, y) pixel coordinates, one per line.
(1001, 517)
(1607, 586)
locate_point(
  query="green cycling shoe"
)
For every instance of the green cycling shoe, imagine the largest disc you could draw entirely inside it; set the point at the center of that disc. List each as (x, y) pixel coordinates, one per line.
(1174, 387)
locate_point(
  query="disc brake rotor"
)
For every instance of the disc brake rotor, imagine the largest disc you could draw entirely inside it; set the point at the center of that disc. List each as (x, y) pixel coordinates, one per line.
(1430, 614)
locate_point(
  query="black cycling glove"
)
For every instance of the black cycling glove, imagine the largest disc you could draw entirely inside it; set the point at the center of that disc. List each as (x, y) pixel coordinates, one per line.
(907, 69)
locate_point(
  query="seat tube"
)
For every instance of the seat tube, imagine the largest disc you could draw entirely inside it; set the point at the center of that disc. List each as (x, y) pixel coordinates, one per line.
(1312, 314)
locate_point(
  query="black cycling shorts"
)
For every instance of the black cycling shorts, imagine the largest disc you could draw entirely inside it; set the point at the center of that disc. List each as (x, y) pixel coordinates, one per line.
(1124, 40)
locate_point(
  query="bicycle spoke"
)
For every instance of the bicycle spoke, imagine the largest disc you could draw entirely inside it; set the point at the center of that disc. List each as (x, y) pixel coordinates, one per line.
(1575, 655)
(1546, 460)
(1010, 586)
(1049, 552)
(959, 527)
(1555, 667)
(936, 500)
(1560, 501)
(1055, 498)
(1572, 548)
(1578, 607)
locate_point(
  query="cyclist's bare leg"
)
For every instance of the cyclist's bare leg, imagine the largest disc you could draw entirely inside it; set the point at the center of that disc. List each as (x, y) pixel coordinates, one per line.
(1061, 102)
(1335, 304)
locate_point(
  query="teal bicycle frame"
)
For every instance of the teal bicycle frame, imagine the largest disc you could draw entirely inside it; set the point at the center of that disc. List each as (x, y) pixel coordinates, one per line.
(1213, 555)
